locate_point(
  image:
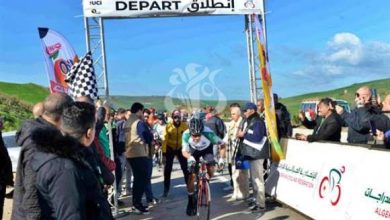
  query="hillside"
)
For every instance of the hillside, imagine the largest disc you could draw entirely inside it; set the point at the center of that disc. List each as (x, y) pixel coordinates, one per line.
(345, 93)
(16, 100)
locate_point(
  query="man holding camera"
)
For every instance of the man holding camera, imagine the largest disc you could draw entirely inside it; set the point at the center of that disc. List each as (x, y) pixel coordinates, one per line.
(364, 118)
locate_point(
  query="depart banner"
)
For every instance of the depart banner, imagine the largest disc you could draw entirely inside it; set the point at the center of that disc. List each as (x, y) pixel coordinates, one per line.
(332, 181)
(148, 8)
(59, 58)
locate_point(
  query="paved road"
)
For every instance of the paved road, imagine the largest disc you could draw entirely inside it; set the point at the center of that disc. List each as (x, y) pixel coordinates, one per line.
(173, 207)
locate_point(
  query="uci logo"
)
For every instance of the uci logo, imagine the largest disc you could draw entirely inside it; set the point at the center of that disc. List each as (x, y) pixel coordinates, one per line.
(95, 3)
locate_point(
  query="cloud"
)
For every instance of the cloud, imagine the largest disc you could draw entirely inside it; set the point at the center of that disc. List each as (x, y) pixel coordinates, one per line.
(347, 55)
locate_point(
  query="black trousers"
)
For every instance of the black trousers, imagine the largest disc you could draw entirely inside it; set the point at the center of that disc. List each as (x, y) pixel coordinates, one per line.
(2, 197)
(169, 157)
(139, 166)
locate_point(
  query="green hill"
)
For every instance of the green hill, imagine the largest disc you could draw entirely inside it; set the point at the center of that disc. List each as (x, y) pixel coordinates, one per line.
(29, 93)
(345, 93)
(16, 100)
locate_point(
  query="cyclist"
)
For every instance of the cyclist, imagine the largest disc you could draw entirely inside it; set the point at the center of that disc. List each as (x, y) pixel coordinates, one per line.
(198, 142)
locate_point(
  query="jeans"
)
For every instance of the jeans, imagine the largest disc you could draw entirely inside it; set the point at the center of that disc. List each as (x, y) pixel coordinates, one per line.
(138, 166)
(148, 187)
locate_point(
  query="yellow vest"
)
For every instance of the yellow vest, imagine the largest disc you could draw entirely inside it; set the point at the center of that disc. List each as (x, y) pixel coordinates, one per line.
(135, 147)
(172, 136)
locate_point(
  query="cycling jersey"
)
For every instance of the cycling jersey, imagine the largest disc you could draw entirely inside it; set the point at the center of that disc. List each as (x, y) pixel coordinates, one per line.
(207, 138)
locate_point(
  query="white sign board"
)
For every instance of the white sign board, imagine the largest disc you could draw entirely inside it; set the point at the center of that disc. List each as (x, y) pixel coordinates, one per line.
(332, 181)
(151, 8)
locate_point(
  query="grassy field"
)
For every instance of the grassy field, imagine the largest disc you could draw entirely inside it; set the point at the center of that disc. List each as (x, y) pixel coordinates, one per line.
(345, 93)
(16, 100)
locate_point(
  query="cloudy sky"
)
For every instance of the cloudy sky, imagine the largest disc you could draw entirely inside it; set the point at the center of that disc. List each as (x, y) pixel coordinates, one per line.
(313, 46)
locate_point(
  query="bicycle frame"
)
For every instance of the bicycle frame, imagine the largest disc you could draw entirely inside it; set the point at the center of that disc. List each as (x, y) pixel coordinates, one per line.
(203, 189)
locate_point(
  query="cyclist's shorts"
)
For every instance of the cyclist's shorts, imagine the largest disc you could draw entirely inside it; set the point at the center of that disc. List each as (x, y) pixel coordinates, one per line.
(207, 155)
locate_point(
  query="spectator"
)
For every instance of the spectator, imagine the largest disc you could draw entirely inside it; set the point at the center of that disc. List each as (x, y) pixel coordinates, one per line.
(358, 121)
(172, 147)
(38, 110)
(239, 177)
(216, 124)
(283, 119)
(26, 205)
(6, 176)
(137, 138)
(327, 125)
(260, 108)
(254, 147)
(386, 106)
(66, 184)
(149, 120)
(120, 147)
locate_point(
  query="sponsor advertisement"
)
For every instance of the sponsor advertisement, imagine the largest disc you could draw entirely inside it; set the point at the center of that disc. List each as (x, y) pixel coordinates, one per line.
(332, 181)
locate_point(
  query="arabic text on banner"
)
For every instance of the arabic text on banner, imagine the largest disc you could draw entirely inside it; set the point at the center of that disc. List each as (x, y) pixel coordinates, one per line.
(145, 8)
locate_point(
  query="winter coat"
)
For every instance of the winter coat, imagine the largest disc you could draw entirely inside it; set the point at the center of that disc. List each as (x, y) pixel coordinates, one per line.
(358, 122)
(66, 183)
(217, 126)
(26, 205)
(325, 129)
(172, 136)
(6, 176)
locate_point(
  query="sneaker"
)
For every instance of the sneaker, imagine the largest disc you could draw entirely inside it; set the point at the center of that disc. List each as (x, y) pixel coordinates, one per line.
(257, 209)
(251, 204)
(191, 206)
(140, 210)
(154, 201)
(164, 195)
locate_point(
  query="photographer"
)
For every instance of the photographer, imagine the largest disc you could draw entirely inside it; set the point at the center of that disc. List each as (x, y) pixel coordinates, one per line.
(361, 118)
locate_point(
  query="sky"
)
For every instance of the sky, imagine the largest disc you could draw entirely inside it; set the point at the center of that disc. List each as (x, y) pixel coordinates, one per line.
(313, 46)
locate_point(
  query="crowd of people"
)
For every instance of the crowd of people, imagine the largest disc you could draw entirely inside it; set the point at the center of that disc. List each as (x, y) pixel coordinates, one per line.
(66, 165)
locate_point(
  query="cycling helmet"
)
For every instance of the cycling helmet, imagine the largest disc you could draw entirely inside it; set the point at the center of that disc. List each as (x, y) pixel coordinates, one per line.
(196, 126)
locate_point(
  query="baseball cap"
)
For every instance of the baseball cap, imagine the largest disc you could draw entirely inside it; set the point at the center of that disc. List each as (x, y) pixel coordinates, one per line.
(250, 105)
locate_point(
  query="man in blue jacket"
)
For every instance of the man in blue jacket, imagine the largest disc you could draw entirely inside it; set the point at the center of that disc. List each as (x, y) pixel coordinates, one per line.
(254, 147)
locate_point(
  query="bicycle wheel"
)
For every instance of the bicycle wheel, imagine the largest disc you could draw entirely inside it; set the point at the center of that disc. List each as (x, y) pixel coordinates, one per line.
(203, 200)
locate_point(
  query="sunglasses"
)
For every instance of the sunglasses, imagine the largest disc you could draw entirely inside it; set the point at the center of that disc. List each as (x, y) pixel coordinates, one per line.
(176, 117)
(195, 135)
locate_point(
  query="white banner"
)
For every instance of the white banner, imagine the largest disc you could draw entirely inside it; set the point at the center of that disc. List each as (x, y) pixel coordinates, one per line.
(148, 8)
(59, 57)
(332, 181)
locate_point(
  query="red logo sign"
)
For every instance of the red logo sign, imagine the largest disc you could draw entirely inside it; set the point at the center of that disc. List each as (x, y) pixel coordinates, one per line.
(53, 49)
(330, 186)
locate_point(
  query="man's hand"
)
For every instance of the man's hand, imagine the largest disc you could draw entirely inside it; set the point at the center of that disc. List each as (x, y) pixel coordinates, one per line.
(240, 134)
(380, 135)
(301, 137)
(191, 161)
(339, 109)
(221, 163)
(301, 115)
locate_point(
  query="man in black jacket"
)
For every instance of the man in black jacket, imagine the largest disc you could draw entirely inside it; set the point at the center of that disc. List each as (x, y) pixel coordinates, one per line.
(6, 176)
(66, 183)
(327, 125)
(360, 119)
(25, 198)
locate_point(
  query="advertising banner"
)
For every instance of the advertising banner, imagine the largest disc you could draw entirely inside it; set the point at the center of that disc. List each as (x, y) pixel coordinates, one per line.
(147, 8)
(59, 58)
(332, 181)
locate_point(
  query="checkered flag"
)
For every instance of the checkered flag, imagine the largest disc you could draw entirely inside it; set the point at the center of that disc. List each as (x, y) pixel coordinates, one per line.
(81, 78)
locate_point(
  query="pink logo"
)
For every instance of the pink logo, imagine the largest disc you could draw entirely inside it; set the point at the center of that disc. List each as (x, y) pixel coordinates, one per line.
(330, 186)
(50, 50)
